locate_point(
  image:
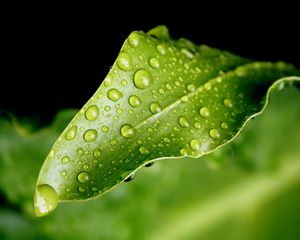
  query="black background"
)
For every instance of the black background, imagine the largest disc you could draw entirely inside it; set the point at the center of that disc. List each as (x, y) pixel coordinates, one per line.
(55, 57)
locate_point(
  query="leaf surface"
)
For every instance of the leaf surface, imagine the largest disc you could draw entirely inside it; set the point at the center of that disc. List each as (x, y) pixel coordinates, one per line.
(163, 98)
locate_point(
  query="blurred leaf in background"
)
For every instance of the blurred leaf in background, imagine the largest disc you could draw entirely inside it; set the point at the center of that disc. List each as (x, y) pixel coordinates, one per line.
(249, 189)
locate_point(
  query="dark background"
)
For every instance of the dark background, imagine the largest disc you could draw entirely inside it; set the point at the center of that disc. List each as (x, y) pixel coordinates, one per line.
(56, 57)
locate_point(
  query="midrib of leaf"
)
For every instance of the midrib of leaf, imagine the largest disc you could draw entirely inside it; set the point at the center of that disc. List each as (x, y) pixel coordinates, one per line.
(242, 198)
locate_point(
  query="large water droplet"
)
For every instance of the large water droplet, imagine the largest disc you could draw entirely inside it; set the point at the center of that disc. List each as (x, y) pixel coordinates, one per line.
(114, 94)
(134, 39)
(195, 145)
(142, 79)
(84, 177)
(214, 133)
(183, 122)
(127, 131)
(45, 200)
(134, 101)
(154, 62)
(71, 133)
(155, 107)
(228, 103)
(92, 113)
(204, 112)
(143, 150)
(90, 135)
(124, 61)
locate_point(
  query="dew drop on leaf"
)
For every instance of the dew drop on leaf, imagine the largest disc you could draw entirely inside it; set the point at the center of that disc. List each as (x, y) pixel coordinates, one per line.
(142, 79)
(124, 61)
(114, 95)
(154, 62)
(228, 103)
(92, 113)
(83, 177)
(183, 122)
(71, 133)
(204, 112)
(155, 107)
(90, 135)
(134, 101)
(127, 131)
(214, 133)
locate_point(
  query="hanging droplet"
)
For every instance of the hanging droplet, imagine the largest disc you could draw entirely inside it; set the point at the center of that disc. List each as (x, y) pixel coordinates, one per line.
(127, 131)
(134, 101)
(92, 113)
(142, 79)
(124, 61)
(45, 200)
(84, 177)
(71, 133)
(114, 95)
(155, 107)
(90, 135)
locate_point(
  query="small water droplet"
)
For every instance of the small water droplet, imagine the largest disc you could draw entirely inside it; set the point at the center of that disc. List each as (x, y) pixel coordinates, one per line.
(134, 39)
(130, 177)
(63, 173)
(214, 133)
(184, 99)
(207, 86)
(124, 82)
(127, 131)
(79, 151)
(124, 61)
(90, 135)
(84, 177)
(154, 62)
(161, 49)
(134, 101)
(183, 152)
(71, 133)
(92, 113)
(65, 160)
(51, 153)
(228, 103)
(107, 81)
(183, 122)
(100, 165)
(81, 189)
(104, 129)
(45, 200)
(197, 125)
(86, 166)
(224, 125)
(114, 95)
(142, 79)
(120, 111)
(97, 153)
(191, 88)
(155, 107)
(204, 112)
(195, 145)
(187, 53)
(143, 150)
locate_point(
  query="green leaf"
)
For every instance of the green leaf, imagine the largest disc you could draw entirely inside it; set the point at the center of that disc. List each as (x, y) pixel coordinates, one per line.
(163, 98)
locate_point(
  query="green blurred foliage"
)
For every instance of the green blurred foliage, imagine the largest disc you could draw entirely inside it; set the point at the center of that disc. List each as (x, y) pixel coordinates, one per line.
(249, 189)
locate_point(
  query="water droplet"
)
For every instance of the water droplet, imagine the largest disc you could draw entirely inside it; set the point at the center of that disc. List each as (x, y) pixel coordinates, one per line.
(142, 79)
(90, 135)
(97, 153)
(187, 53)
(207, 86)
(81, 189)
(183, 152)
(124, 61)
(124, 82)
(183, 122)
(84, 177)
(161, 49)
(134, 39)
(197, 125)
(130, 177)
(154, 62)
(119, 111)
(79, 151)
(45, 200)
(94, 189)
(184, 99)
(134, 101)
(127, 131)
(155, 107)
(100, 165)
(114, 94)
(195, 145)
(107, 108)
(107, 81)
(224, 125)
(51, 153)
(228, 103)
(92, 113)
(71, 133)
(143, 150)
(63, 173)
(191, 88)
(214, 133)
(104, 129)
(65, 160)
(86, 166)
(204, 112)
(149, 164)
